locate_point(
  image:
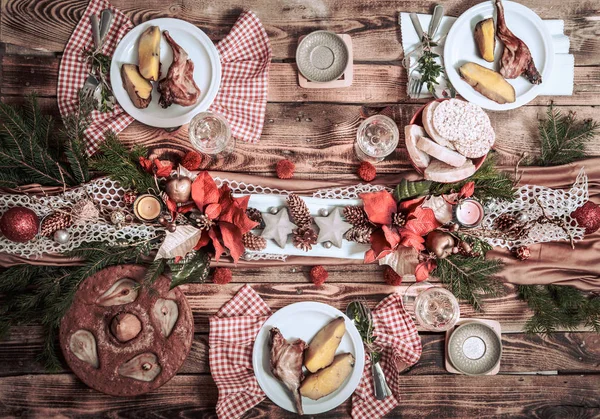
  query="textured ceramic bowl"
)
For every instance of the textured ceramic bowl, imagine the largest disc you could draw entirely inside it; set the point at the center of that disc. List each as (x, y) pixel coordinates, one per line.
(322, 56)
(474, 348)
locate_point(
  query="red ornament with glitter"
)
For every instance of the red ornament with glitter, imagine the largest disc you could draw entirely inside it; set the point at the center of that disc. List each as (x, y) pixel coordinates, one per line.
(19, 224)
(285, 169)
(366, 171)
(192, 160)
(588, 217)
(522, 253)
(318, 275)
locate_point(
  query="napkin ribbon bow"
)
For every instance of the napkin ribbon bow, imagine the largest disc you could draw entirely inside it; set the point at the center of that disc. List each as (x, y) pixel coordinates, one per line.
(231, 339)
(245, 55)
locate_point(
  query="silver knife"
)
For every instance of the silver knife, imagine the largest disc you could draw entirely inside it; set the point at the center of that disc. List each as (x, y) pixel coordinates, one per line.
(106, 18)
(95, 30)
(415, 21)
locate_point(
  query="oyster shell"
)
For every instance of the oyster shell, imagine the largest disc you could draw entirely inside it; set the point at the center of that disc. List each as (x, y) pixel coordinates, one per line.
(144, 367)
(166, 313)
(123, 291)
(83, 346)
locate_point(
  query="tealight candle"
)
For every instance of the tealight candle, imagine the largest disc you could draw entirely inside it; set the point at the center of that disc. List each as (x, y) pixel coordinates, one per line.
(468, 213)
(147, 207)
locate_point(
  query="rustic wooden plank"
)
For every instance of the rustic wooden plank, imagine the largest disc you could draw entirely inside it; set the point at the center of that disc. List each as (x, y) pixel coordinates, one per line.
(421, 396)
(373, 83)
(319, 138)
(567, 353)
(372, 25)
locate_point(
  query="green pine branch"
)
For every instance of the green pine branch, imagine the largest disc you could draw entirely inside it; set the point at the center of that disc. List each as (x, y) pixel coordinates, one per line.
(470, 279)
(122, 165)
(559, 307)
(563, 138)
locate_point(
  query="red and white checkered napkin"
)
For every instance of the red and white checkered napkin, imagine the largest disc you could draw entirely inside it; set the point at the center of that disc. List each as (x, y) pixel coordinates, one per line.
(231, 338)
(397, 335)
(242, 98)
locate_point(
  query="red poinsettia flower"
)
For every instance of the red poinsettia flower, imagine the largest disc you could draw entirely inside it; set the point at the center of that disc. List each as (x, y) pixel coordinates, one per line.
(160, 168)
(380, 208)
(228, 214)
(423, 269)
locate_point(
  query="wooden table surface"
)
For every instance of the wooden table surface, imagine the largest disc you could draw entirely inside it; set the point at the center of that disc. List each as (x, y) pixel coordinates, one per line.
(554, 377)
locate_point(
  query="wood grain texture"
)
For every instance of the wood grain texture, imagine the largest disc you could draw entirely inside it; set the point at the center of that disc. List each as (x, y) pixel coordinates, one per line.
(372, 25)
(374, 83)
(319, 138)
(567, 353)
(421, 396)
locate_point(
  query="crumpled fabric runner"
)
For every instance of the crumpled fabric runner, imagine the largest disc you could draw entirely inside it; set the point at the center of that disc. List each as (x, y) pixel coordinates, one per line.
(231, 339)
(245, 59)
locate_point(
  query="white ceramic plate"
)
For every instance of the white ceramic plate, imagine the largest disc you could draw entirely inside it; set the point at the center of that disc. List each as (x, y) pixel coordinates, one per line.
(304, 320)
(460, 48)
(207, 71)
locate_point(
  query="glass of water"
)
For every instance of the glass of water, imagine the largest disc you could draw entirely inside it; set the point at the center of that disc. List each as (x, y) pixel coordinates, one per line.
(434, 308)
(210, 133)
(377, 137)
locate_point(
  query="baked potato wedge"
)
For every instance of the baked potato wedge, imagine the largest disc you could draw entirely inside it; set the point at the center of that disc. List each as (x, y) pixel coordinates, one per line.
(328, 380)
(138, 88)
(488, 82)
(322, 347)
(149, 53)
(485, 38)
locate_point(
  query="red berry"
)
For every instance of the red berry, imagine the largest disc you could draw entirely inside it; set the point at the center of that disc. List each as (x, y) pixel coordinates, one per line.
(391, 277)
(318, 275)
(222, 276)
(192, 160)
(588, 217)
(285, 169)
(366, 171)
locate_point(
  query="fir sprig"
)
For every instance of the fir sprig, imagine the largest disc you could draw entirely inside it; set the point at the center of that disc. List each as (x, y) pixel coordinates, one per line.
(489, 183)
(470, 279)
(30, 154)
(563, 138)
(557, 307)
(429, 68)
(123, 165)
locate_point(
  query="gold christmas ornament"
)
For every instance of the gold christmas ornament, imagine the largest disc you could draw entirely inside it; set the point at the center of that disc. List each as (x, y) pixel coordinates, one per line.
(440, 244)
(179, 189)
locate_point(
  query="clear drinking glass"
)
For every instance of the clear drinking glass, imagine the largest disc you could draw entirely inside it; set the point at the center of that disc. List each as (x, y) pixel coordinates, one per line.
(377, 137)
(434, 308)
(210, 134)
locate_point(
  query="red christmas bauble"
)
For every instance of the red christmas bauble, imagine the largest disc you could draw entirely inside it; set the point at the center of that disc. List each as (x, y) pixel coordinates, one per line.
(285, 169)
(588, 216)
(222, 276)
(318, 275)
(19, 224)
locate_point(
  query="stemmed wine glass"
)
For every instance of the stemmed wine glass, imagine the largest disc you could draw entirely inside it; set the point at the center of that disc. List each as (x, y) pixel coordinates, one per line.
(433, 307)
(210, 133)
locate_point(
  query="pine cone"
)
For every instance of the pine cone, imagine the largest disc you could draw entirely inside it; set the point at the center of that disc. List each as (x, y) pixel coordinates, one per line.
(398, 220)
(505, 222)
(304, 238)
(58, 220)
(253, 242)
(356, 216)
(299, 211)
(359, 235)
(256, 216)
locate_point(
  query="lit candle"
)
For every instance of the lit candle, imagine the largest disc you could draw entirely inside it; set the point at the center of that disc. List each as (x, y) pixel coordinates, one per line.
(147, 207)
(469, 213)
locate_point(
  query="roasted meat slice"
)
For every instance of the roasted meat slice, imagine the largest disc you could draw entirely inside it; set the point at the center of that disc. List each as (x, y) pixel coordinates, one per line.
(516, 58)
(286, 364)
(179, 86)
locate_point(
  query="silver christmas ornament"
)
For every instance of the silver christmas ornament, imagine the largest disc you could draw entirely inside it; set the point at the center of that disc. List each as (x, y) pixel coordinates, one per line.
(61, 236)
(117, 218)
(273, 210)
(522, 217)
(323, 212)
(327, 245)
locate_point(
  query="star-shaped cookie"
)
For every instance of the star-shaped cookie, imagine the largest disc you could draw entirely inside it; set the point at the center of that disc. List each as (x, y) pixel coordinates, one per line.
(332, 228)
(278, 227)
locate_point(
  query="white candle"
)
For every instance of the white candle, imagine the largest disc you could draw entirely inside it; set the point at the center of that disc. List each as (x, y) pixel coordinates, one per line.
(469, 213)
(147, 207)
